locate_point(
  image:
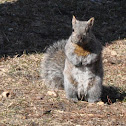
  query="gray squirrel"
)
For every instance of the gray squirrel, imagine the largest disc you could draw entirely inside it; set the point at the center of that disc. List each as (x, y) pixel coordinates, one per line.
(75, 64)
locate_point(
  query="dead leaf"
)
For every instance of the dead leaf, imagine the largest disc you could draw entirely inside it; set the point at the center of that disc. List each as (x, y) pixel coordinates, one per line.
(100, 103)
(52, 93)
(113, 53)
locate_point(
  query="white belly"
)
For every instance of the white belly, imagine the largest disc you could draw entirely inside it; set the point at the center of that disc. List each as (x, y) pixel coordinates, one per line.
(83, 77)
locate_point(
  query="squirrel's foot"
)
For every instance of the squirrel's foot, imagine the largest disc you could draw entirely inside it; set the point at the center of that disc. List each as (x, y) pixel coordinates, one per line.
(73, 99)
(93, 100)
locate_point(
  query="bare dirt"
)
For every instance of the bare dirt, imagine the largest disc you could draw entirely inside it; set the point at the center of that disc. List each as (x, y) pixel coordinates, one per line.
(29, 26)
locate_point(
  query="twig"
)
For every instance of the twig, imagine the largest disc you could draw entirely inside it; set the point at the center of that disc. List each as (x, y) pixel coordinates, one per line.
(109, 100)
(6, 37)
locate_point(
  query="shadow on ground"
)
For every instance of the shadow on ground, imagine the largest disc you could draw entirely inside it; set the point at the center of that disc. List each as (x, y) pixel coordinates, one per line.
(31, 25)
(112, 94)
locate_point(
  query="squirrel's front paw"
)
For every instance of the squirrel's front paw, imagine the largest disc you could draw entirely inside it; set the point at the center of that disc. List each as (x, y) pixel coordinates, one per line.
(72, 97)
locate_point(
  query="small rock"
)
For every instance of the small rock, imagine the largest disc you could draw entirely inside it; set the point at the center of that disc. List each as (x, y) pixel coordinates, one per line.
(59, 111)
(6, 94)
(113, 53)
(90, 114)
(100, 103)
(105, 61)
(10, 29)
(52, 93)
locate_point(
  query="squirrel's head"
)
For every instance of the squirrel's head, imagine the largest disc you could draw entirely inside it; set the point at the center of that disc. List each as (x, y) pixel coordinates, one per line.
(81, 33)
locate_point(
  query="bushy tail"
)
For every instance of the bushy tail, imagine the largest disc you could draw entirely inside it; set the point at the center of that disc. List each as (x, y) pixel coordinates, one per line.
(52, 65)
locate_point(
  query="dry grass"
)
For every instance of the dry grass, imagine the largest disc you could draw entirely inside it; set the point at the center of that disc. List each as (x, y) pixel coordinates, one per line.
(30, 25)
(7, 1)
(29, 104)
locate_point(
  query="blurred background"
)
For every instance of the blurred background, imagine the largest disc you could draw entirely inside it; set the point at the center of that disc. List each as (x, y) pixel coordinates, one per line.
(31, 25)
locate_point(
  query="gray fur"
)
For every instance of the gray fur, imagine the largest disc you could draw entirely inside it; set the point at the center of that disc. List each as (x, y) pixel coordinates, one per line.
(52, 65)
(80, 75)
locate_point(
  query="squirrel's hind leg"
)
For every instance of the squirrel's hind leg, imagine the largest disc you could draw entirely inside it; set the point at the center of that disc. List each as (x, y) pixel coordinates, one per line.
(70, 89)
(94, 93)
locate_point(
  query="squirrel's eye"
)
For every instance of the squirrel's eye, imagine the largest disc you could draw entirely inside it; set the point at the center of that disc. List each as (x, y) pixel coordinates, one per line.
(72, 30)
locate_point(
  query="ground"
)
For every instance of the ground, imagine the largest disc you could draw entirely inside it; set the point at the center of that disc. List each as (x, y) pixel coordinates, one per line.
(26, 28)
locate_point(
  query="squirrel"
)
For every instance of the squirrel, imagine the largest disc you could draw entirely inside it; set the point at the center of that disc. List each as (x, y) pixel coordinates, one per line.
(75, 64)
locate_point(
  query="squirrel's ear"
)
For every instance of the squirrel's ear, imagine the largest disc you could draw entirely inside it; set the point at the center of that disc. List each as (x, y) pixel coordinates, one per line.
(90, 22)
(73, 20)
